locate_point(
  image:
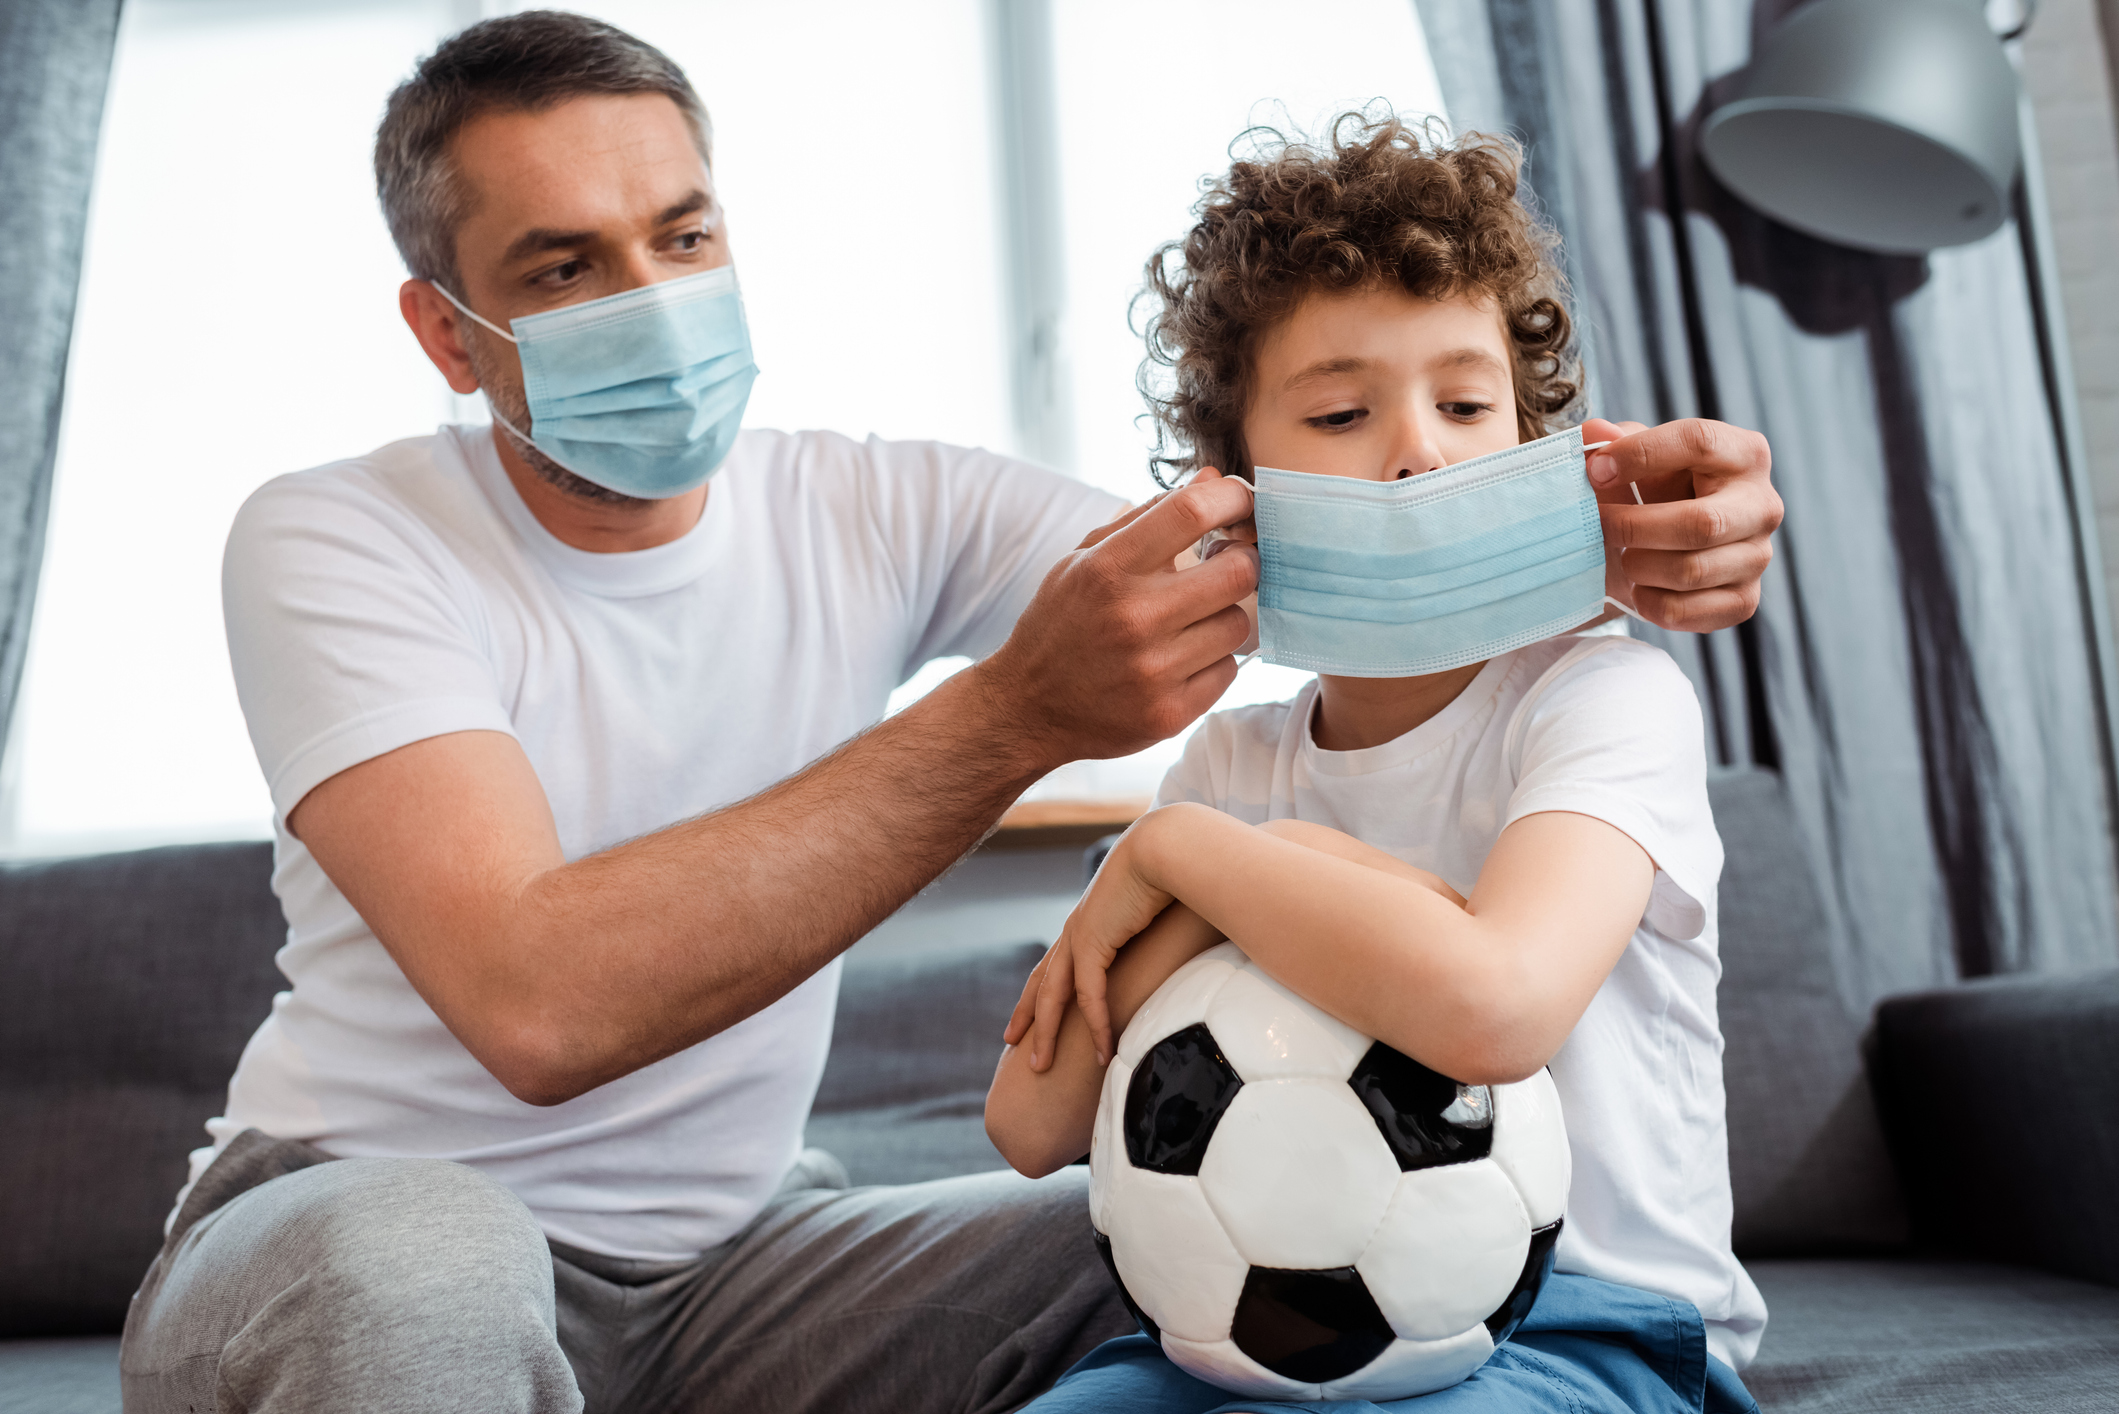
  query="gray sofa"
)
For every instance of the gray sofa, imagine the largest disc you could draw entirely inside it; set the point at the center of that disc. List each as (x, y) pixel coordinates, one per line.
(1950, 1244)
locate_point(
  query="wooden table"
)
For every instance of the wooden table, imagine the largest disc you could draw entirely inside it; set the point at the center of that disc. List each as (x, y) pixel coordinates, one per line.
(1046, 824)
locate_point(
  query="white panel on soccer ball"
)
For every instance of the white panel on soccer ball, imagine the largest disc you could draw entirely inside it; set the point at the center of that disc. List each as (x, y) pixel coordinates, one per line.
(1298, 1174)
(1172, 1254)
(1269, 1033)
(1448, 1251)
(1180, 1001)
(1530, 1145)
(1107, 1145)
(1221, 1363)
(1410, 1367)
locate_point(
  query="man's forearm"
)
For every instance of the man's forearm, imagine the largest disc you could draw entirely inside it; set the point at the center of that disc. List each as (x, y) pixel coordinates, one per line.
(561, 976)
(707, 922)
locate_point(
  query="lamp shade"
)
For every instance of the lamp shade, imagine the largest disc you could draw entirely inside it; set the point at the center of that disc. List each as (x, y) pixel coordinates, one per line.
(1887, 125)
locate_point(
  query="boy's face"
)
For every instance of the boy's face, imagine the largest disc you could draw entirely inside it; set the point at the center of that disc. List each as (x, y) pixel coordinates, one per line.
(1381, 384)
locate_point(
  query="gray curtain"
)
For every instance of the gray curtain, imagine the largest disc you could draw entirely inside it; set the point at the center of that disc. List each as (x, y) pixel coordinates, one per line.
(1921, 670)
(54, 68)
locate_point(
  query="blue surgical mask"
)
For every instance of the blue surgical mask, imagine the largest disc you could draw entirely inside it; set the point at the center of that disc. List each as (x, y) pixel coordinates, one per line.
(1386, 579)
(640, 392)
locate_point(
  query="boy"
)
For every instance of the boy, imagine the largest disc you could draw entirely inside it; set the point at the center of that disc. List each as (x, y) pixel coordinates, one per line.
(1489, 866)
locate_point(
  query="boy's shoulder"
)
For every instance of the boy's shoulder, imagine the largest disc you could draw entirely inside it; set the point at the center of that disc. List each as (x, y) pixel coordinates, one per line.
(1260, 722)
(1576, 669)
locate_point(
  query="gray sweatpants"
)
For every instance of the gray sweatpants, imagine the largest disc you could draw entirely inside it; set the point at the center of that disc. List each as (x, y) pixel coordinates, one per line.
(294, 1282)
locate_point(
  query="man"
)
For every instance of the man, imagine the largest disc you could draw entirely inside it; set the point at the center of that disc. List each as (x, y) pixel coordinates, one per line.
(576, 811)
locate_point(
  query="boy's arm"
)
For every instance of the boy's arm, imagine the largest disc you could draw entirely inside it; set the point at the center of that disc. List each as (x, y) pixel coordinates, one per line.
(1040, 1120)
(1485, 993)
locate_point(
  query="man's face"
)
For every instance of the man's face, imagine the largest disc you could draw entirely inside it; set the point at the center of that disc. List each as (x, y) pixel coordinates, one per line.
(592, 197)
(1381, 384)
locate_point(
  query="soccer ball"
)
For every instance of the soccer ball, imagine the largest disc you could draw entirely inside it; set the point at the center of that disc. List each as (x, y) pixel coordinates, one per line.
(1294, 1210)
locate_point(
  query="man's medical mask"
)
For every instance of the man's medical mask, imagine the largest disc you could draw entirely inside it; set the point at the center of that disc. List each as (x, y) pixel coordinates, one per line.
(1386, 579)
(639, 392)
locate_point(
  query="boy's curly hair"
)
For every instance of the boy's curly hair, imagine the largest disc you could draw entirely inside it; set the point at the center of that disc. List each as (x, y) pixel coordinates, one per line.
(1384, 203)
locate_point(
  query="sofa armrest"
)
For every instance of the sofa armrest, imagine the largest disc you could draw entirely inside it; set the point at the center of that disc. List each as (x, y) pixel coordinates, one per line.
(2001, 1100)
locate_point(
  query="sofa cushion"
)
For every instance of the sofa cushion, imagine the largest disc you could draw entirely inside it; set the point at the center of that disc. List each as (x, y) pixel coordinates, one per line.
(904, 1093)
(1900, 1336)
(128, 986)
(1808, 1167)
(76, 1375)
(2003, 1101)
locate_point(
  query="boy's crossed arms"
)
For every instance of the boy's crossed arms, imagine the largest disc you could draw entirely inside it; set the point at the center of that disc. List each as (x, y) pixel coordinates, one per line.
(1483, 990)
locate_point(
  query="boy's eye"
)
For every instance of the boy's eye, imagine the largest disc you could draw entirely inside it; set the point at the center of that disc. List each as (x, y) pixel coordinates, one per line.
(1345, 418)
(1466, 410)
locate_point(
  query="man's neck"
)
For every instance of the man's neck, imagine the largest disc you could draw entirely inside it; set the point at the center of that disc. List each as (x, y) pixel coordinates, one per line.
(598, 526)
(1356, 713)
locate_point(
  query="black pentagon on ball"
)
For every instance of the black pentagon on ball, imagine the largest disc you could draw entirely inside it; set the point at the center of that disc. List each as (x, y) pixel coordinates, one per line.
(1407, 1100)
(1178, 1093)
(1147, 1326)
(1309, 1326)
(1537, 1266)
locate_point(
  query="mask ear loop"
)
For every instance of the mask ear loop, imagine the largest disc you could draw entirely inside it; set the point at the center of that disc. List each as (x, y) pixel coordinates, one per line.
(1639, 500)
(516, 432)
(466, 309)
(1204, 549)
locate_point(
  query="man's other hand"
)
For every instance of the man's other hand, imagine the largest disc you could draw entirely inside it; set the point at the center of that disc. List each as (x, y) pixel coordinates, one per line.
(1692, 556)
(1126, 644)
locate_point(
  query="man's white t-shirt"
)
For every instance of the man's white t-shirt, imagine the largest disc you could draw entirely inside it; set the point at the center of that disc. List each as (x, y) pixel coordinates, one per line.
(409, 593)
(1601, 726)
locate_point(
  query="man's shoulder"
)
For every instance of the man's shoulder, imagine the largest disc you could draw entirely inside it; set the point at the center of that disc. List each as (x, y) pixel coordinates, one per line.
(391, 474)
(908, 489)
(408, 492)
(821, 453)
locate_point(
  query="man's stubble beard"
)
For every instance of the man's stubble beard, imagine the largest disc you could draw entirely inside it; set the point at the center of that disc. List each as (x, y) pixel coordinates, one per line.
(504, 394)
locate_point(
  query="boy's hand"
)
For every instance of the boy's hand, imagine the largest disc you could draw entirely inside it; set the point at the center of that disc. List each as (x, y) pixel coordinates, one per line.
(1118, 905)
(1691, 557)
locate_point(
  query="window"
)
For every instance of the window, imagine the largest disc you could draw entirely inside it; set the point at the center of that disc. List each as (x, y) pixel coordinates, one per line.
(238, 319)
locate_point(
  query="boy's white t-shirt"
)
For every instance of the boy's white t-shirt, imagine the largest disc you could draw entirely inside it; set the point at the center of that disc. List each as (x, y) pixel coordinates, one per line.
(409, 593)
(1601, 726)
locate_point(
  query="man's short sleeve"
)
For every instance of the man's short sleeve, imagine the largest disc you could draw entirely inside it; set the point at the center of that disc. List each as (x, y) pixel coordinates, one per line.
(1614, 732)
(974, 534)
(351, 632)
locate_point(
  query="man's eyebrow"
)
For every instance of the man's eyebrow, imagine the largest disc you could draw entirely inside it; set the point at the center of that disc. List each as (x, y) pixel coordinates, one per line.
(697, 201)
(540, 239)
(1329, 368)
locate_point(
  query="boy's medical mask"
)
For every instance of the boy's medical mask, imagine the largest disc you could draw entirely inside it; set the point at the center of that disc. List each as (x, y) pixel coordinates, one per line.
(1387, 579)
(639, 392)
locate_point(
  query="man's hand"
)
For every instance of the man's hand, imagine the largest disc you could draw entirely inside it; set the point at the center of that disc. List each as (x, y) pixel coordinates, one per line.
(1122, 647)
(1692, 556)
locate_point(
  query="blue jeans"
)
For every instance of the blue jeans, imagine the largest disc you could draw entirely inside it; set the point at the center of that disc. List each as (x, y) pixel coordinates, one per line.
(1588, 1347)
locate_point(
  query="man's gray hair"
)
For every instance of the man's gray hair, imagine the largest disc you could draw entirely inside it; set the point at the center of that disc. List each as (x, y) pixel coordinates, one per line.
(529, 61)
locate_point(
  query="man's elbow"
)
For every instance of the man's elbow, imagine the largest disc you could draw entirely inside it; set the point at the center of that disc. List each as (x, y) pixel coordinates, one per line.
(537, 1065)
